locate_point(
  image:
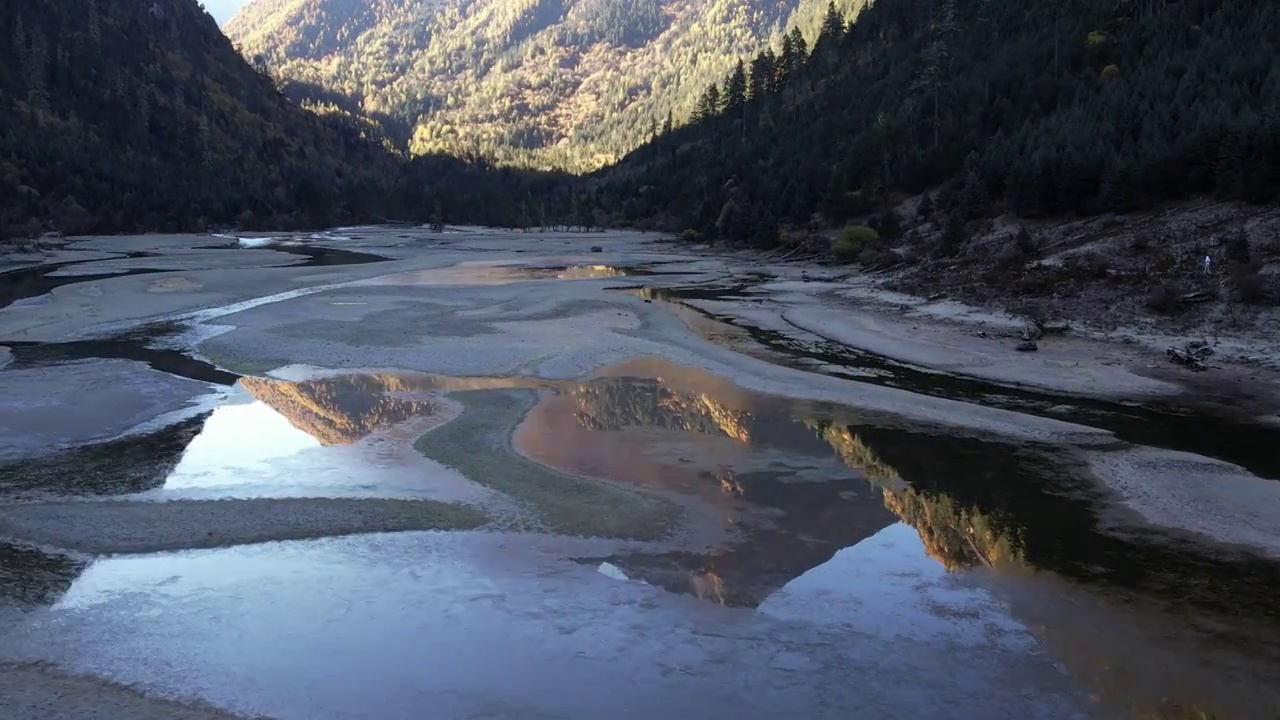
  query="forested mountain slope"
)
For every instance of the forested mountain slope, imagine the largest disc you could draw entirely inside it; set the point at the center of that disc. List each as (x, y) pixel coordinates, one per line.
(1038, 108)
(567, 83)
(125, 115)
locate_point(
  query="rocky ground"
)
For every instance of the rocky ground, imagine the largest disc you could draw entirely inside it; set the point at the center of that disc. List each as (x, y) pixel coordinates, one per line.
(1136, 279)
(1114, 290)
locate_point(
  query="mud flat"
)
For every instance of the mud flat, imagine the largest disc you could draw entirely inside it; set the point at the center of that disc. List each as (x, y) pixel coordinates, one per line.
(531, 313)
(136, 527)
(40, 692)
(570, 329)
(1067, 367)
(1205, 497)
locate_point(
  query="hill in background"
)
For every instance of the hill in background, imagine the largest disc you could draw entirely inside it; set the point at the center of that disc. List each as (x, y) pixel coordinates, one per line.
(567, 83)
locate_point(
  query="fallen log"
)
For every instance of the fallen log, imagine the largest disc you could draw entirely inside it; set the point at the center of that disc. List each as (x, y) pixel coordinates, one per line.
(1190, 356)
(793, 251)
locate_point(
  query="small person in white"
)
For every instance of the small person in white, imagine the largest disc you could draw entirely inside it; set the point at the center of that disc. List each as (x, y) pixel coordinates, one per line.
(1208, 264)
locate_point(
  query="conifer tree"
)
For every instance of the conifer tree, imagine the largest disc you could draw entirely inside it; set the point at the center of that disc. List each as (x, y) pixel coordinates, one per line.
(736, 90)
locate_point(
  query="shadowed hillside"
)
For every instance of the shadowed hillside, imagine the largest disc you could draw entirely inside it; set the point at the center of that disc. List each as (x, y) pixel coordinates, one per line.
(992, 105)
(124, 115)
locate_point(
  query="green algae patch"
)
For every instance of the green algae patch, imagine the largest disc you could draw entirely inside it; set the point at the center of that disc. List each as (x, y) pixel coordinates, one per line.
(478, 444)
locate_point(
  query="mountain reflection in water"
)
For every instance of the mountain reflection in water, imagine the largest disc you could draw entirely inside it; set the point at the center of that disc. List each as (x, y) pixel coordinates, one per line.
(33, 577)
(791, 481)
(830, 511)
(277, 438)
(342, 409)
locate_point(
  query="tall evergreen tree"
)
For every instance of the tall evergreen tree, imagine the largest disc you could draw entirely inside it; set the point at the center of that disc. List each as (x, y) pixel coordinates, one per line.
(763, 75)
(831, 33)
(736, 90)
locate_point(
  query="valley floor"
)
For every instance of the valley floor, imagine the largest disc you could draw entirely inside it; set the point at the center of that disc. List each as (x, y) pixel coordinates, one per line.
(513, 477)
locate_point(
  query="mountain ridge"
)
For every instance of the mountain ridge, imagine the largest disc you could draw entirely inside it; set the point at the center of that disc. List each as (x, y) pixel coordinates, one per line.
(573, 84)
(985, 106)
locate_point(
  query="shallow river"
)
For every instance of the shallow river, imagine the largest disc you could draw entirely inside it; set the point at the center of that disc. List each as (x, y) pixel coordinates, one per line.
(645, 539)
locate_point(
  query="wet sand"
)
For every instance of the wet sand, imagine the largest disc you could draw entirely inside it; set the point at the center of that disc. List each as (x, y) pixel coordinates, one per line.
(728, 481)
(39, 692)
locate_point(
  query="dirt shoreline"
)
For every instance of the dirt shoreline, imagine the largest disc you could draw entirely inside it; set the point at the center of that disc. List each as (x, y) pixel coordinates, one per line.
(1126, 362)
(45, 692)
(1082, 365)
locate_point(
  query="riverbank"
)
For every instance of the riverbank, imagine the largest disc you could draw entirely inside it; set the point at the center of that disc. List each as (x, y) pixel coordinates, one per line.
(1114, 294)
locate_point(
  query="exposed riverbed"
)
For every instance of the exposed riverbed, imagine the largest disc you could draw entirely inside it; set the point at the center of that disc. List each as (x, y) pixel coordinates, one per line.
(498, 475)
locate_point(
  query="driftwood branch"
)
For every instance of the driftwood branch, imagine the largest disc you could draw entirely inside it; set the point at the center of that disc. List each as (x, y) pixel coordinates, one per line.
(1192, 355)
(793, 251)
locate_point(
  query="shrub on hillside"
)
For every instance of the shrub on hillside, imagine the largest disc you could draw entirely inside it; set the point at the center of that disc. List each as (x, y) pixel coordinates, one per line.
(889, 225)
(1251, 287)
(1026, 242)
(1236, 248)
(926, 207)
(1165, 299)
(954, 236)
(1140, 242)
(852, 241)
(1087, 266)
(878, 256)
(1008, 259)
